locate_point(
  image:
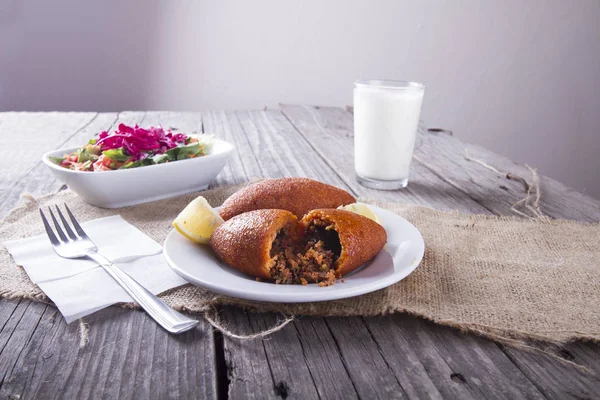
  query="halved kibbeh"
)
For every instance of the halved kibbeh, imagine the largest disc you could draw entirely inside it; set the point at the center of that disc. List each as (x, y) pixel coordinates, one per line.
(245, 241)
(360, 238)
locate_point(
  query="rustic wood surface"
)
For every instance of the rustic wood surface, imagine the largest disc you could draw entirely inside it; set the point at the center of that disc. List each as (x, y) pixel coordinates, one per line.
(396, 356)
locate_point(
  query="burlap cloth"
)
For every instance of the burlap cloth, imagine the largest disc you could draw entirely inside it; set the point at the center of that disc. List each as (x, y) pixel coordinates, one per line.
(502, 277)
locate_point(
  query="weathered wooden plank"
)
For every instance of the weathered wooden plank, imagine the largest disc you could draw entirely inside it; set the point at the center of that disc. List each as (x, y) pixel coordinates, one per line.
(16, 332)
(371, 374)
(18, 380)
(324, 359)
(480, 364)
(289, 370)
(421, 370)
(247, 362)
(557, 380)
(127, 356)
(6, 311)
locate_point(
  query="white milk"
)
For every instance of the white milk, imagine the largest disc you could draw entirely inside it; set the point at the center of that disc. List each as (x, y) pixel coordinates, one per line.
(386, 118)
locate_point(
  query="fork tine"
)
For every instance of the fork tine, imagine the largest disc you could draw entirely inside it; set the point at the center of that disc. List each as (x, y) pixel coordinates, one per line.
(57, 226)
(49, 231)
(78, 227)
(66, 224)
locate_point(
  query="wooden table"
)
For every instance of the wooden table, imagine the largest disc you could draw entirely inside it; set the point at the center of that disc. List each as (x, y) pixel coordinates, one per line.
(398, 356)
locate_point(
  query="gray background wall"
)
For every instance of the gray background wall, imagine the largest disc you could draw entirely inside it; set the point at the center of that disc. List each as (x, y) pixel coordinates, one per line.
(519, 77)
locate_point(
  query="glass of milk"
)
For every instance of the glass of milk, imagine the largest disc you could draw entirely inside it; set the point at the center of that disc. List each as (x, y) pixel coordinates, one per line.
(386, 118)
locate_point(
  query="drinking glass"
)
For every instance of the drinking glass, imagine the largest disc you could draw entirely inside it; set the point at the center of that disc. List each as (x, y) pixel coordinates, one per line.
(386, 119)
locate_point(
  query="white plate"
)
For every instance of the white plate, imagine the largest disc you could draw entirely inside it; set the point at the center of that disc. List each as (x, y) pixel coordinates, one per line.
(126, 187)
(400, 256)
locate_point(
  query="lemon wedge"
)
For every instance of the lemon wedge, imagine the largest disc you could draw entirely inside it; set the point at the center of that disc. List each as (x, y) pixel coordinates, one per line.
(361, 209)
(198, 220)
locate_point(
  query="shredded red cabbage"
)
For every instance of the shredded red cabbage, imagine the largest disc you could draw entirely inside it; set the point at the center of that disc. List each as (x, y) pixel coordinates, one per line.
(138, 141)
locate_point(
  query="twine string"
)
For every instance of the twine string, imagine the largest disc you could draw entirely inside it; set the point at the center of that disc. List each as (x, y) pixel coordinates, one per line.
(84, 333)
(213, 319)
(533, 193)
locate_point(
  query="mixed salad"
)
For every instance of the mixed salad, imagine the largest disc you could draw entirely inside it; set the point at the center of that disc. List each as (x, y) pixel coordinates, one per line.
(132, 147)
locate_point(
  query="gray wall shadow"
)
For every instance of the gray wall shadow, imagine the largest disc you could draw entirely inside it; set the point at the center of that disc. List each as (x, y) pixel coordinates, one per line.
(68, 55)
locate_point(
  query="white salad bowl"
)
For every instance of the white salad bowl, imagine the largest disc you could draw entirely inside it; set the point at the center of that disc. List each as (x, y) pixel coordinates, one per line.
(126, 187)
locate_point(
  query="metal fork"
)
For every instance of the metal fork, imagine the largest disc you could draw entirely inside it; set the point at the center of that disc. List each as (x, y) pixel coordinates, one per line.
(71, 245)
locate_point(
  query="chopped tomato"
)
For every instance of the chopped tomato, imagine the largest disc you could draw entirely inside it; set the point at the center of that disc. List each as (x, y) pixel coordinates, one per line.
(106, 161)
(110, 163)
(101, 164)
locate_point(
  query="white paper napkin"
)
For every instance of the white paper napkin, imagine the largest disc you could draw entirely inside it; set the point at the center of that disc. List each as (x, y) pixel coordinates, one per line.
(80, 287)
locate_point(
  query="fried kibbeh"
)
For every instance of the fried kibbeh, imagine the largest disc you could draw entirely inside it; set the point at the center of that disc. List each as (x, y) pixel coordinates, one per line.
(297, 195)
(244, 242)
(273, 245)
(359, 238)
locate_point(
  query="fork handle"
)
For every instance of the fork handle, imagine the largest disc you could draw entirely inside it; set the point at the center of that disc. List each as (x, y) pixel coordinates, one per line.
(164, 315)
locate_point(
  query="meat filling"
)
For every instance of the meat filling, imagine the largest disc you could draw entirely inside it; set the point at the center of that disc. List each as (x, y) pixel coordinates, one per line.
(309, 260)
